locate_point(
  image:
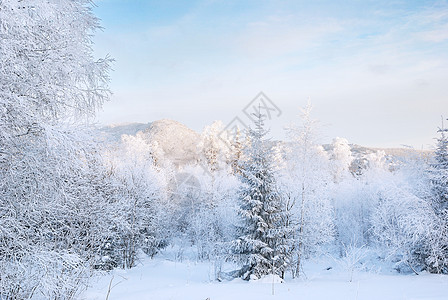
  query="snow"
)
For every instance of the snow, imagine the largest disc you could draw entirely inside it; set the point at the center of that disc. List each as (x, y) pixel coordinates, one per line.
(178, 142)
(74, 201)
(162, 278)
(113, 132)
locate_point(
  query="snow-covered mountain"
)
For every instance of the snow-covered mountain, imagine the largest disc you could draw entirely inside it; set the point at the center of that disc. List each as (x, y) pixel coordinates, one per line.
(178, 142)
(113, 133)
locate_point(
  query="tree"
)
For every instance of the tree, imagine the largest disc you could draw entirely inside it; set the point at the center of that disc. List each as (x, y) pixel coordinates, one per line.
(439, 171)
(402, 222)
(341, 159)
(261, 243)
(437, 259)
(50, 216)
(306, 183)
(236, 151)
(402, 217)
(356, 197)
(214, 148)
(138, 202)
(211, 223)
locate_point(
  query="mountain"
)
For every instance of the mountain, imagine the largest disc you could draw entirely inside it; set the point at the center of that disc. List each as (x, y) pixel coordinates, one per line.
(113, 133)
(178, 142)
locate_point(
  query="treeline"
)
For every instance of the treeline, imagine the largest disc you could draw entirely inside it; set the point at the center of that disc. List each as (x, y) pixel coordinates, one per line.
(272, 205)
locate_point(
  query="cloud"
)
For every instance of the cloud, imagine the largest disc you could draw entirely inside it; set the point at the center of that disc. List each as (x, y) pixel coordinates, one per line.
(276, 37)
(436, 36)
(375, 60)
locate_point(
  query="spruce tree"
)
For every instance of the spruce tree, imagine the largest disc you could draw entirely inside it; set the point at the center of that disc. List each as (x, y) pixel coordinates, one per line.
(437, 246)
(439, 170)
(261, 244)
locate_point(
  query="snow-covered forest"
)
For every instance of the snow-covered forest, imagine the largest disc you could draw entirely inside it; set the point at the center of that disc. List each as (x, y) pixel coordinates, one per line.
(79, 201)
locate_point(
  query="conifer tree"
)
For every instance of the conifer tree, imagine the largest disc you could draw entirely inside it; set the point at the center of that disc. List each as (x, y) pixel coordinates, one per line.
(261, 243)
(437, 246)
(439, 170)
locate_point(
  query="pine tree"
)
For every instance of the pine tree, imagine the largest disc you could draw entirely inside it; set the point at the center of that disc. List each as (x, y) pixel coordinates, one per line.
(439, 170)
(261, 245)
(437, 246)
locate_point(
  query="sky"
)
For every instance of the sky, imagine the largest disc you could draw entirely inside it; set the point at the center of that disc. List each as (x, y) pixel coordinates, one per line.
(376, 72)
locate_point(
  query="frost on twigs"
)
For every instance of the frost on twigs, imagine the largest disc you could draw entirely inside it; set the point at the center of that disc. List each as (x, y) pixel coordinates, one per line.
(51, 179)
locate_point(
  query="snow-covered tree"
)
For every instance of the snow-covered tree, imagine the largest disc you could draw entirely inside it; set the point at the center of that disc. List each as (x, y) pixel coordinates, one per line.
(402, 222)
(50, 192)
(236, 151)
(262, 238)
(341, 159)
(400, 213)
(439, 171)
(306, 183)
(138, 202)
(211, 224)
(355, 199)
(214, 147)
(437, 259)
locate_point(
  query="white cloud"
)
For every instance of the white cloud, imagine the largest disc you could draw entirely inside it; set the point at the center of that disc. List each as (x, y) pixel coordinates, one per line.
(389, 65)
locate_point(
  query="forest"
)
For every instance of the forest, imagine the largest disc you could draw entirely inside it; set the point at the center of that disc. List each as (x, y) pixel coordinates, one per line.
(75, 203)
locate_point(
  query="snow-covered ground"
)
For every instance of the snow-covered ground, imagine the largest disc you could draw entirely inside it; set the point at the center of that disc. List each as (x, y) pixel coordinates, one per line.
(163, 278)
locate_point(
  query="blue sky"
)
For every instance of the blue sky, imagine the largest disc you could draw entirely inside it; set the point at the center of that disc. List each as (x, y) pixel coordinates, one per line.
(376, 71)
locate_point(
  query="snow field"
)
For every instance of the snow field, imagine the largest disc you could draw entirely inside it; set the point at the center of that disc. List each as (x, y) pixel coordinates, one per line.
(161, 278)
